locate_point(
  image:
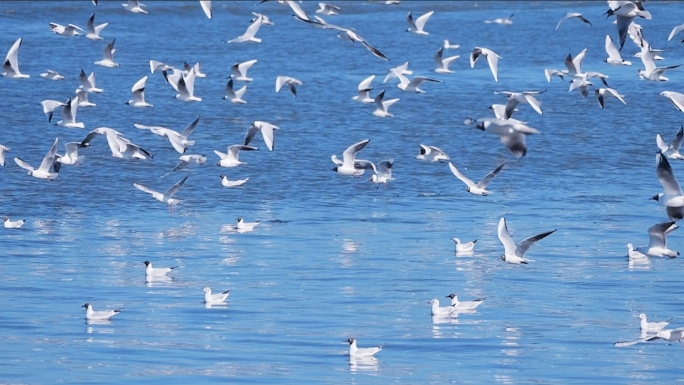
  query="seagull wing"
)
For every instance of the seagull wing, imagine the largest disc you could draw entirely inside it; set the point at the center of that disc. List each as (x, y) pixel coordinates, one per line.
(566, 17)
(611, 50)
(49, 157)
(243, 67)
(420, 22)
(505, 238)
(189, 129)
(23, 164)
(373, 50)
(666, 176)
(108, 52)
(169, 193)
(676, 143)
(366, 83)
(298, 10)
(143, 188)
(350, 153)
(488, 178)
(250, 133)
(526, 243)
(206, 7)
(675, 31)
(460, 176)
(12, 56)
(657, 233)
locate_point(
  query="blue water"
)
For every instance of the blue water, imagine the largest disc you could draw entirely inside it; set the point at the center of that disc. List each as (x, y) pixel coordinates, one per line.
(334, 257)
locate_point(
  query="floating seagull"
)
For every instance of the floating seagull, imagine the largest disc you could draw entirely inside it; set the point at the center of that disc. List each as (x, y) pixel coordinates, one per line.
(266, 132)
(602, 91)
(166, 197)
(651, 327)
(49, 108)
(239, 70)
(245, 226)
(11, 64)
(382, 107)
(71, 155)
(501, 20)
(464, 305)
(635, 254)
(443, 63)
(432, 154)
(157, 272)
(417, 26)
(215, 299)
(83, 98)
(549, 72)
(349, 166)
(446, 310)
(672, 198)
(230, 158)
(657, 244)
(48, 164)
(93, 30)
(327, 9)
(671, 151)
(138, 91)
(449, 46)
(69, 30)
(3, 150)
(511, 132)
(179, 140)
(52, 75)
(12, 224)
(249, 33)
(364, 89)
(88, 82)
(514, 98)
(464, 247)
(355, 351)
(572, 15)
(676, 98)
(290, 82)
(232, 95)
(492, 59)
(198, 69)
(232, 183)
(513, 253)
(383, 172)
(185, 160)
(614, 57)
(134, 6)
(650, 71)
(412, 86)
(206, 7)
(351, 35)
(479, 188)
(675, 31)
(69, 115)
(103, 315)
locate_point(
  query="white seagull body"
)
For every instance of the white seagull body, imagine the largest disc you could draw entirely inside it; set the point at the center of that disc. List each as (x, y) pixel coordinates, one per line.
(69, 115)
(234, 96)
(383, 172)
(513, 253)
(249, 33)
(480, 187)
(11, 63)
(71, 155)
(464, 247)
(446, 310)
(8, 224)
(52, 75)
(239, 70)
(266, 132)
(179, 140)
(134, 6)
(501, 20)
(515, 98)
(614, 56)
(492, 59)
(651, 327)
(328, 9)
(443, 63)
(232, 183)
(93, 30)
(138, 91)
(417, 26)
(464, 305)
(382, 107)
(245, 226)
(432, 154)
(511, 132)
(166, 197)
(88, 82)
(657, 244)
(230, 158)
(349, 166)
(158, 271)
(46, 170)
(69, 30)
(103, 315)
(412, 86)
(357, 352)
(215, 299)
(108, 56)
(364, 89)
(671, 151)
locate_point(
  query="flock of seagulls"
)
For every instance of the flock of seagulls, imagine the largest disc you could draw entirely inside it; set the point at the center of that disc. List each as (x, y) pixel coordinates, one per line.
(511, 132)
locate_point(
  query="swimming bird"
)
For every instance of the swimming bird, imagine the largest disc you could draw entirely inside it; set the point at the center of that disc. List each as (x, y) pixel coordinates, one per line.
(71, 155)
(93, 30)
(526, 97)
(446, 310)
(443, 63)
(138, 91)
(383, 172)
(234, 96)
(671, 151)
(512, 132)
(464, 247)
(134, 6)
(382, 107)
(108, 56)
(635, 254)
(179, 140)
(328, 9)
(417, 26)
(88, 82)
(651, 327)
(232, 183)
(657, 244)
(501, 20)
(614, 57)
(239, 70)
(364, 89)
(572, 15)
(47, 169)
(51, 75)
(446, 45)
(3, 150)
(166, 197)
(492, 59)
(290, 82)
(158, 271)
(675, 31)
(245, 226)
(103, 315)
(625, 12)
(186, 160)
(432, 154)
(8, 224)
(672, 198)
(266, 132)
(230, 158)
(550, 72)
(480, 187)
(215, 299)
(402, 69)
(69, 115)
(349, 165)
(249, 33)
(11, 63)
(513, 253)
(412, 86)
(600, 92)
(49, 108)
(355, 351)
(69, 30)
(675, 98)
(464, 305)
(206, 7)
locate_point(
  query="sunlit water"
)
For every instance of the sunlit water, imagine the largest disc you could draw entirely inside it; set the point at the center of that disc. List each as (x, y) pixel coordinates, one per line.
(335, 257)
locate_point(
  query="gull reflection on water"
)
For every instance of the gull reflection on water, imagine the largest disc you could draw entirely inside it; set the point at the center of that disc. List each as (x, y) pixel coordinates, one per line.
(151, 280)
(363, 363)
(218, 305)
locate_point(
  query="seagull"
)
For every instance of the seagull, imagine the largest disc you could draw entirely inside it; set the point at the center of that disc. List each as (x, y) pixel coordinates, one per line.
(614, 57)
(651, 327)
(511, 132)
(290, 82)
(572, 15)
(625, 12)
(412, 86)
(215, 299)
(69, 115)
(108, 56)
(668, 335)
(239, 70)
(232, 183)
(11, 63)
(185, 86)
(675, 31)
(327, 9)
(166, 197)
(134, 6)
(230, 158)
(198, 69)
(402, 69)
(138, 90)
(357, 352)
(650, 71)
(69, 30)
(676, 98)
(249, 33)
(93, 30)
(383, 172)
(549, 72)
(71, 155)
(232, 95)
(602, 91)
(349, 165)
(479, 188)
(382, 107)
(671, 151)
(179, 140)
(464, 247)
(12, 224)
(574, 65)
(432, 154)
(349, 34)
(245, 226)
(103, 315)
(48, 163)
(464, 305)
(3, 150)
(88, 82)
(501, 20)
(492, 59)
(157, 65)
(443, 64)
(634, 254)
(364, 89)
(657, 244)
(446, 310)
(266, 132)
(185, 160)
(672, 198)
(83, 98)
(157, 272)
(449, 46)
(120, 146)
(264, 19)
(206, 7)
(527, 97)
(417, 26)
(52, 75)
(49, 108)
(513, 253)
